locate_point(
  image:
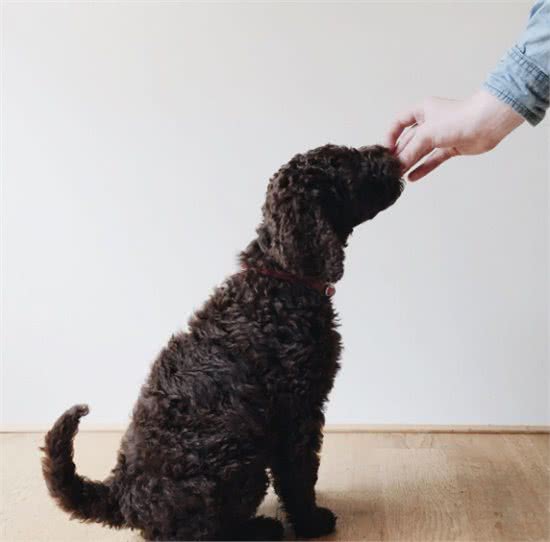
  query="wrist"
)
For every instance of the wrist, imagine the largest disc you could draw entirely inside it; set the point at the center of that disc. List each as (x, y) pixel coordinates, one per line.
(496, 118)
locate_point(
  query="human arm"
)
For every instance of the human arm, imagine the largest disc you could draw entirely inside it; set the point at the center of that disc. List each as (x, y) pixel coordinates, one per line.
(517, 90)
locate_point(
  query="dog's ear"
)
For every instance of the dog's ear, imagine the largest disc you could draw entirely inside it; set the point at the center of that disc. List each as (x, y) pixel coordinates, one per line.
(298, 235)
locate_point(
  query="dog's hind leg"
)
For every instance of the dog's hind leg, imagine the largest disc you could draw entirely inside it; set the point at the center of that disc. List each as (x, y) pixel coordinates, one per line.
(178, 530)
(167, 509)
(184, 529)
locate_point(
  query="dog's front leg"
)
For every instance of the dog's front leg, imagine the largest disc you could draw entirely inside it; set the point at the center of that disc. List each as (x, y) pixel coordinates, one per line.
(294, 468)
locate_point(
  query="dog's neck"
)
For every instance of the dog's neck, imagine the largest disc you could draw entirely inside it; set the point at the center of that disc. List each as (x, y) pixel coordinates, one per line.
(256, 256)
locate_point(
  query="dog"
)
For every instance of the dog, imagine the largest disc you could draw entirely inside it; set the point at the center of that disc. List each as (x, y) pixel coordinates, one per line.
(242, 392)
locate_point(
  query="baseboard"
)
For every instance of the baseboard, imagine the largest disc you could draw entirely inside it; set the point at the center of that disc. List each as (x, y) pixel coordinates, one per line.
(415, 428)
(329, 428)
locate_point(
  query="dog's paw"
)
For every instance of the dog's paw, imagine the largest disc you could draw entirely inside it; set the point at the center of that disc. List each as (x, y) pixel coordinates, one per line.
(260, 528)
(319, 522)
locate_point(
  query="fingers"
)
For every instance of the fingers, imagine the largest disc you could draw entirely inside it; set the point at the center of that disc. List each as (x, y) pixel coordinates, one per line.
(420, 145)
(417, 139)
(407, 118)
(405, 138)
(434, 160)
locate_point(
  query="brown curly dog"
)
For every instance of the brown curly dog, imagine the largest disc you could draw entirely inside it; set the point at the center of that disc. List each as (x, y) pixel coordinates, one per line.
(243, 390)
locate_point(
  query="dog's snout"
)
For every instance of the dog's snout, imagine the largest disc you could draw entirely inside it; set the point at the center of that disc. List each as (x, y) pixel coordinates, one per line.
(379, 183)
(382, 163)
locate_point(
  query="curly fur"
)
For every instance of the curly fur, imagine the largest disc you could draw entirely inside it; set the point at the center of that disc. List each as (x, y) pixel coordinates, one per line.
(243, 390)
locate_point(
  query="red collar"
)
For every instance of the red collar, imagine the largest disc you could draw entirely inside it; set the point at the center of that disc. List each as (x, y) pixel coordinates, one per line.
(324, 288)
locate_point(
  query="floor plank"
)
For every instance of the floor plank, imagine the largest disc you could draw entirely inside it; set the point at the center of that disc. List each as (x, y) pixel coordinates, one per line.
(382, 486)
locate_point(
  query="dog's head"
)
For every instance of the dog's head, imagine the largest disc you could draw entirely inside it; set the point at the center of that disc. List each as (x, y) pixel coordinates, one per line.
(314, 202)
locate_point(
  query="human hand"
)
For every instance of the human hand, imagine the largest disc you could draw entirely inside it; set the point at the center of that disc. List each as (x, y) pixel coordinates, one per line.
(440, 128)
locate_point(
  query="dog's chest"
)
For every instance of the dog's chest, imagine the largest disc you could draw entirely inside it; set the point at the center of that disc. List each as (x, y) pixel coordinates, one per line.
(307, 350)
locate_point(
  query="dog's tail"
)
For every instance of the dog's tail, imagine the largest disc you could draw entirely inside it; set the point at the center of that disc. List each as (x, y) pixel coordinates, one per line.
(82, 498)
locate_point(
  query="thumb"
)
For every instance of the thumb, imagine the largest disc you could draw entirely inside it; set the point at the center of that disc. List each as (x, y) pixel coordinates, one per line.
(434, 160)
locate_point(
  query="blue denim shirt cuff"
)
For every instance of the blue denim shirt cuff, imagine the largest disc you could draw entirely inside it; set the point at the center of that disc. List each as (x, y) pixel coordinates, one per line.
(520, 83)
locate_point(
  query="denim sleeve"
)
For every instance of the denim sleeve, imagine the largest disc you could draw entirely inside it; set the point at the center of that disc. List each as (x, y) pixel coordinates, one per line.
(522, 77)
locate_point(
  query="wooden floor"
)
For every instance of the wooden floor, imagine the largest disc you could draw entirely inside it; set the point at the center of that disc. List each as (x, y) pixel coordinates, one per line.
(382, 486)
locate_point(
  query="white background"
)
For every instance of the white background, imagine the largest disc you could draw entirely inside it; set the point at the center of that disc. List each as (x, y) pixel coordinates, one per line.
(137, 140)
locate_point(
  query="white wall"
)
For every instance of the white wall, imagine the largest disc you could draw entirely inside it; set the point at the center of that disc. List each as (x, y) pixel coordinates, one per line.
(137, 140)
